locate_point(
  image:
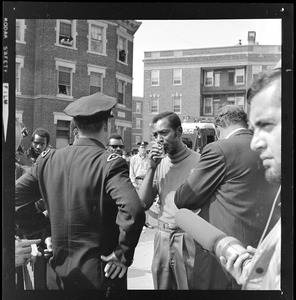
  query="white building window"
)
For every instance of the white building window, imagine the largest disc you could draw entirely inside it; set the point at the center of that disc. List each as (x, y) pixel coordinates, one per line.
(20, 30)
(97, 37)
(208, 81)
(155, 77)
(121, 92)
(138, 123)
(66, 33)
(177, 101)
(96, 75)
(208, 106)
(63, 130)
(123, 38)
(19, 64)
(154, 103)
(95, 83)
(177, 77)
(138, 107)
(217, 79)
(240, 101)
(65, 70)
(138, 139)
(240, 76)
(122, 49)
(122, 81)
(255, 71)
(231, 100)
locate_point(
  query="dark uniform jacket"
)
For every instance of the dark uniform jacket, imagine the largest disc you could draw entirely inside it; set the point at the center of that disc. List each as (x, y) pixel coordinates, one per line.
(93, 210)
(230, 187)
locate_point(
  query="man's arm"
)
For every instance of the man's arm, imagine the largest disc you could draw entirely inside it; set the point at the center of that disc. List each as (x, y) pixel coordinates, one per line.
(204, 181)
(132, 172)
(130, 217)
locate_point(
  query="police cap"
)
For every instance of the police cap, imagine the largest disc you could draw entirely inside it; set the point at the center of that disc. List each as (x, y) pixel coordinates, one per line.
(91, 108)
(142, 144)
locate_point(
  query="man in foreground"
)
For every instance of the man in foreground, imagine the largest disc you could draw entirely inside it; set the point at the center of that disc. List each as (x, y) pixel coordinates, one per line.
(263, 272)
(95, 213)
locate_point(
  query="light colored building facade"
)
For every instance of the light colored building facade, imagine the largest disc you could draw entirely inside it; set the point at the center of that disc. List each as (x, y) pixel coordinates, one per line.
(194, 83)
(59, 61)
(137, 129)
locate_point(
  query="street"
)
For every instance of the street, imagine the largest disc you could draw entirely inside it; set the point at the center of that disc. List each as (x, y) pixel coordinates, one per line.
(139, 274)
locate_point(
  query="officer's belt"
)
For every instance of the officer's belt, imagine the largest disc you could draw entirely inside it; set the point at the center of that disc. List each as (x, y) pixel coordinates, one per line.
(169, 226)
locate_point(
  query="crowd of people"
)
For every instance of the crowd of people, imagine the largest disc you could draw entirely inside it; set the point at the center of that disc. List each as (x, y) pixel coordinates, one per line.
(85, 205)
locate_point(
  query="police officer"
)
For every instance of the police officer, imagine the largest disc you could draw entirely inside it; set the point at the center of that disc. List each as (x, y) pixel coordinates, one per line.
(95, 213)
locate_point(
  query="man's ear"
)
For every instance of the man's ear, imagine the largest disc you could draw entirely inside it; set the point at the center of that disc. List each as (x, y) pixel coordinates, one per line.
(180, 130)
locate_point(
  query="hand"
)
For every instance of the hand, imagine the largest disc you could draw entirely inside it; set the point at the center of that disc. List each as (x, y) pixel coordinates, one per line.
(234, 265)
(113, 266)
(23, 252)
(155, 155)
(48, 250)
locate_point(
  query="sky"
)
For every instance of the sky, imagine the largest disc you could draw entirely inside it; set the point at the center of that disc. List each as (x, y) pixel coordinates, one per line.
(157, 35)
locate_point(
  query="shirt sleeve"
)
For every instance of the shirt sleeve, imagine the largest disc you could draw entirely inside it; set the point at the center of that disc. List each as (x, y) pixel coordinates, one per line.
(132, 172)
(204, 181)
(30, 222)
(130, 216)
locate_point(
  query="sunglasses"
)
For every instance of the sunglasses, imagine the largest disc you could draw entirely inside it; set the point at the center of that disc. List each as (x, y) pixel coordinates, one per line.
(116, 146)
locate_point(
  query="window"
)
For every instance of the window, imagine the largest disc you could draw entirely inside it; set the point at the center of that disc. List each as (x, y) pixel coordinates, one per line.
(20, 30)
(120, 91)
(231, 100)
(97, 37)
(239, 76)
(138, 123)
(62, 133)
(64, 81)
(139, 107)
(66, 33)
(95, 83)
(231, 78)
(208, 106)
(154, 103)
(96, 76)
(239, 100)
(19, 64)
(65, 70)
(96, 41)
(217, 79)
(138, 139)
(17, 77)
(256, 70)
(122, 49)
(208, 78)
(177, 103)
(177, 80)
(154, 77)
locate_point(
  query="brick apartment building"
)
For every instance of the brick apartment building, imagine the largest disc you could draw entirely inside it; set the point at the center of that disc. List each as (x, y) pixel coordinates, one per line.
(137, 129)
(194, 83)
(59, 61)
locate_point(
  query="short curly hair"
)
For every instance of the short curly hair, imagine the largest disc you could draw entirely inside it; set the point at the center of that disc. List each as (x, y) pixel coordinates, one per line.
(231, 115)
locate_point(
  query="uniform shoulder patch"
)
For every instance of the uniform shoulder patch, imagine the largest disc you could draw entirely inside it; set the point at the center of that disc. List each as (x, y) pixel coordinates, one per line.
(45, 152)
(112, 156)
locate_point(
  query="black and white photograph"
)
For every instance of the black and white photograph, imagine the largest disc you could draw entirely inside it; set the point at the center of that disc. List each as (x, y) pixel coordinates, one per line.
(146, 150)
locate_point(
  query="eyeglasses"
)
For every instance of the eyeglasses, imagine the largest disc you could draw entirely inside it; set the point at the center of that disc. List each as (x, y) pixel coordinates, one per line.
(117, 146)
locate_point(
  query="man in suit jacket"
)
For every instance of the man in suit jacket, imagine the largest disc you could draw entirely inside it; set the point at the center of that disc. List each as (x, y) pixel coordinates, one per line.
(229, 184)
(95, 213)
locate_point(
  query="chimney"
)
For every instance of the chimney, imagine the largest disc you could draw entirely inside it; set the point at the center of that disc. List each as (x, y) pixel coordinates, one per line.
(251, 37)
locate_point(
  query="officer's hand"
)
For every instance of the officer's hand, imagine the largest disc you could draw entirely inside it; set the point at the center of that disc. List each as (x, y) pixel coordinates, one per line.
(48, 250)
(24, 252)
(113, 266)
